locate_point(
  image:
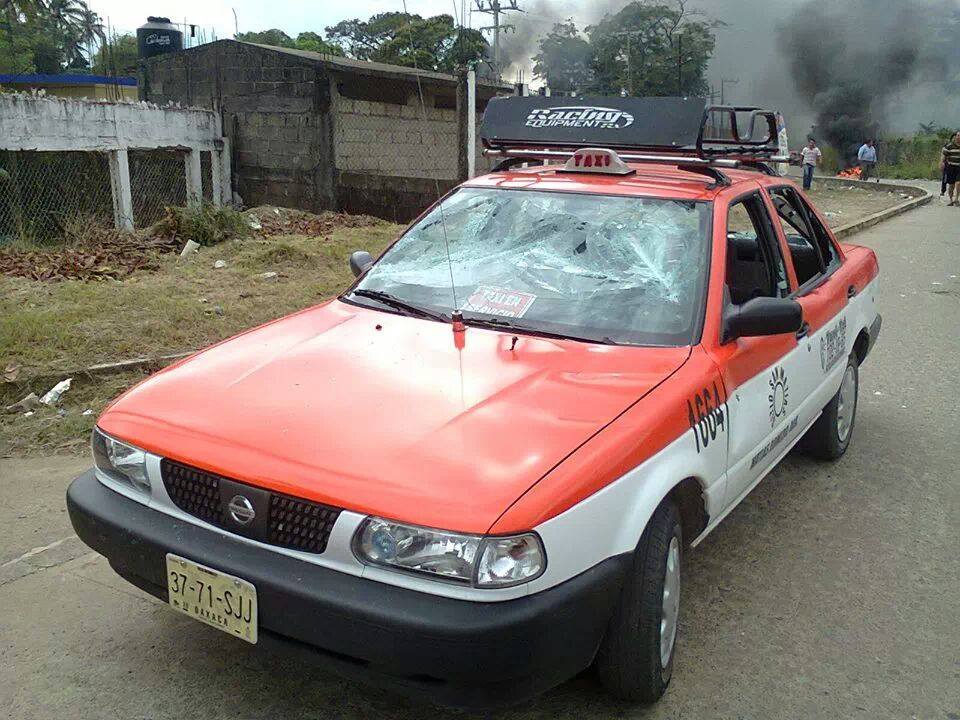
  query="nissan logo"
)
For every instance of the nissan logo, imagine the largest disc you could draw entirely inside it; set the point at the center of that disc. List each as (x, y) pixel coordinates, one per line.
(241, 510)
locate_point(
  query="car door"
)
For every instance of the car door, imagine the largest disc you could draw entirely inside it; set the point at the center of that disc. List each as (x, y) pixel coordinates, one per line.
(758, 372)
(818, 282)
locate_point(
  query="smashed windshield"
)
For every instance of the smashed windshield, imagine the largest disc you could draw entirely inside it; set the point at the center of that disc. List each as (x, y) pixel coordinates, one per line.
(595, 267)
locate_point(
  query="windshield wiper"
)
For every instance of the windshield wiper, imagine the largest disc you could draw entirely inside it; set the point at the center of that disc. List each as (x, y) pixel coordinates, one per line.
(398, 304)
(501, 324)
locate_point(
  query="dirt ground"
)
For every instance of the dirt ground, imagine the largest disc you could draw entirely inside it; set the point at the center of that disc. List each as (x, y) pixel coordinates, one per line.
(831, 592)
(843, 205)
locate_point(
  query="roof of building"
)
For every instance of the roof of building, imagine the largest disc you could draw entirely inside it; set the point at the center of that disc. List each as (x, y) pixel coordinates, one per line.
(64, 79)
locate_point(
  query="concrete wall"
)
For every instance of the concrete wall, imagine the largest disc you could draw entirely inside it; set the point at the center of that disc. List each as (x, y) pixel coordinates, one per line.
(316, 134)
(34, 122)
(276, 112)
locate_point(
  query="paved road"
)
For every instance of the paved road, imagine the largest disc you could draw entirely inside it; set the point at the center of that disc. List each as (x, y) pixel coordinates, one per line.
(832, 591)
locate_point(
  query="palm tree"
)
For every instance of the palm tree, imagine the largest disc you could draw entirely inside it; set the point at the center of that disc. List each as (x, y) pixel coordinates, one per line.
(91, 31)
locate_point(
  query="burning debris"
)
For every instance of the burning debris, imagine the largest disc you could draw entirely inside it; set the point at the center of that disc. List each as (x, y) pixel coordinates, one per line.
(850, 61)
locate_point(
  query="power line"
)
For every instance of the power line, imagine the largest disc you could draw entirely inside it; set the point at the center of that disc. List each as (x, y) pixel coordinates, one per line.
(495, 8)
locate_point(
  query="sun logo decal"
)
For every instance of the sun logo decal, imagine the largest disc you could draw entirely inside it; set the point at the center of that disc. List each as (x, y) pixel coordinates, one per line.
(779, 396)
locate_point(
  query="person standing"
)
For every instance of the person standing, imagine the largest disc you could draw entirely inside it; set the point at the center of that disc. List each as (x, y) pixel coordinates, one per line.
(810, 159)
(867, 158)
(950, 165)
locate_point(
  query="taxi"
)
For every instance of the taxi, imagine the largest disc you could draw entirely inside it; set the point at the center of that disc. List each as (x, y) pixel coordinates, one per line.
(477, 472)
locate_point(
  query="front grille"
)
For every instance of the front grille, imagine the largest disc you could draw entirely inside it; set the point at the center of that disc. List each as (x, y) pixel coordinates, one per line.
(298, 524)
(291, 522)
(193, 491)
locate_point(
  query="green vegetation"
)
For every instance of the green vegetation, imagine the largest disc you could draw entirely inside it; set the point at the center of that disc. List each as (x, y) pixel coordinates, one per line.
(186, 304)
(310, 41)
(117, 57)
(47, 36)
(644, 49)
(433, 43)
(49, 329)
(914, 157)
(205, 224)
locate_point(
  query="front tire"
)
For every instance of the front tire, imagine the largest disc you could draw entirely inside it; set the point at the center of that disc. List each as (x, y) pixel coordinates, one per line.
(829, 437)
(635, 661)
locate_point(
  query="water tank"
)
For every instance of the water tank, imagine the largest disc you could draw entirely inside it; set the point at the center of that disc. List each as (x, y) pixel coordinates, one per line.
(157, 36)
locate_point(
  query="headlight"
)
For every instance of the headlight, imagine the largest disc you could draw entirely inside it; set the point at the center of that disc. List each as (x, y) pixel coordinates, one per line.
(120, 461)
(469, 559)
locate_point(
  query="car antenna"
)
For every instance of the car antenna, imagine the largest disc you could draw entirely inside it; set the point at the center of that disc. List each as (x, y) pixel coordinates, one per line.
(457, 315)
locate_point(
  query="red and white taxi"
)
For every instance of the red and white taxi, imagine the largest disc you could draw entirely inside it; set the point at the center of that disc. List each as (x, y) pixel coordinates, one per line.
(476, 472)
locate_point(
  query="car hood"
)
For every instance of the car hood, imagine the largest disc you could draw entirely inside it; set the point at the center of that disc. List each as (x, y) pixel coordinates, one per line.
(385, 414)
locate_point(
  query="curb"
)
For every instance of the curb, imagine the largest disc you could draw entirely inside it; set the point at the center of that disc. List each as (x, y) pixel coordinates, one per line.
(849, 229)
(160, 361)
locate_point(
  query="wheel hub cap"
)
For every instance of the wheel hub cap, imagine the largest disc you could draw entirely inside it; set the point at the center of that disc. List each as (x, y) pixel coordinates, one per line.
(847, 403)
(671, 603)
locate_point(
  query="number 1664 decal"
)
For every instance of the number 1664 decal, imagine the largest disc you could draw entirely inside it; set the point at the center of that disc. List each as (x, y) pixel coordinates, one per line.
(707, 416)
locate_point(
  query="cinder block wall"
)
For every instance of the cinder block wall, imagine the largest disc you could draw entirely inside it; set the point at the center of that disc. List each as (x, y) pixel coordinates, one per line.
(311, 134)
(276, 112)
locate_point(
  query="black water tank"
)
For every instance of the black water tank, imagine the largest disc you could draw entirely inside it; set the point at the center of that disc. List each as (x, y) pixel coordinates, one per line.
(158, 36)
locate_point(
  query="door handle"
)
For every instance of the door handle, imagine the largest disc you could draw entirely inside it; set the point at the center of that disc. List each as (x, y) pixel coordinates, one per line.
(851, 291)
(802, 332)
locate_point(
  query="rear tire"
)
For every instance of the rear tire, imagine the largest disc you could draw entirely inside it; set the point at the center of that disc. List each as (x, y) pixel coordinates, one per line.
(635, 661)
(829, 437)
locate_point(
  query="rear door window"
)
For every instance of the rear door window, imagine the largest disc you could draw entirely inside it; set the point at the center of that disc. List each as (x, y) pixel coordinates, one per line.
(811, 249)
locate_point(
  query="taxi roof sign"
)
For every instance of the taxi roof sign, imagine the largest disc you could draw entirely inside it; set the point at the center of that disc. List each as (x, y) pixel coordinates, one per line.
(597, 160)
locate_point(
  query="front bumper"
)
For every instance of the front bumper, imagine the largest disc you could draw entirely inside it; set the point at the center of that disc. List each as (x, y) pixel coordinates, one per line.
(455, 652)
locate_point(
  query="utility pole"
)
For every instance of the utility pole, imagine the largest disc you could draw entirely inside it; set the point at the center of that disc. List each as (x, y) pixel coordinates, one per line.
(628, 34)
(495, 8)
(723, 85)
(680, 65)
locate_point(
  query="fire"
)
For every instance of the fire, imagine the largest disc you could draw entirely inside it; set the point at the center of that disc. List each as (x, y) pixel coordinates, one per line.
(852, 173)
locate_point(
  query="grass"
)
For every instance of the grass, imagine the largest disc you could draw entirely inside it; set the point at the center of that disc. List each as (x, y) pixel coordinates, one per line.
(61, 326)
(49, 330)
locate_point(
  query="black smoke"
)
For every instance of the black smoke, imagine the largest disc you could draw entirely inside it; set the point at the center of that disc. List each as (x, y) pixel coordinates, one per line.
(856, 62)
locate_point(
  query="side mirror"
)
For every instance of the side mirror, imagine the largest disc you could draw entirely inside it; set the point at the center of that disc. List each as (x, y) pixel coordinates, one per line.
(761, 316)
(359, 262)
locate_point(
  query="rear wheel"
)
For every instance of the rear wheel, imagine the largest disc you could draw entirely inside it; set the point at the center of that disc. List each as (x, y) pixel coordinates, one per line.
(829, 437)
(635, 661)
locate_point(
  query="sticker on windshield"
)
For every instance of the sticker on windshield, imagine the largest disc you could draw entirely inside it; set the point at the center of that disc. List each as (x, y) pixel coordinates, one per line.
(497, 301)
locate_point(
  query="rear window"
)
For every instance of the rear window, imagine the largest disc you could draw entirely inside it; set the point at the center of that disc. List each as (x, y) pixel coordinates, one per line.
(594, 267)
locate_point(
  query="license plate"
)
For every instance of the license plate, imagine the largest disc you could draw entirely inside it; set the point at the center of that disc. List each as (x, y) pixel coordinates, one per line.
(226, 602)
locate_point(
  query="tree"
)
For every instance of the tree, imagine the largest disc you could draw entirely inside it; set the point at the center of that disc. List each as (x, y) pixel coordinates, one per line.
(563, 60)
(278, 38)
(315, 43)
(47, 36)
(275, 37)
(434, 43)
(361, 39)
(119, 56)
(652, 49)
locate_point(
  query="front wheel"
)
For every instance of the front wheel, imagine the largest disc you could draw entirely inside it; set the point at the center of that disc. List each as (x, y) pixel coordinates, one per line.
(829, 437)
(635, 661)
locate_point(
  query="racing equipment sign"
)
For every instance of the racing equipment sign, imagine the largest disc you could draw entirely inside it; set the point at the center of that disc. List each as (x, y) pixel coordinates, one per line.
(579, 117)
(611, 122)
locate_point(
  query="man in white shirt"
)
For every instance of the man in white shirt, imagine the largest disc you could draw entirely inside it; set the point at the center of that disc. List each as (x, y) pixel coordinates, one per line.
(867, 158)
(810, 157)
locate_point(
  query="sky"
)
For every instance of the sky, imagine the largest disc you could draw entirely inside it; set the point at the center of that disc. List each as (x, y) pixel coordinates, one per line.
(291, 17)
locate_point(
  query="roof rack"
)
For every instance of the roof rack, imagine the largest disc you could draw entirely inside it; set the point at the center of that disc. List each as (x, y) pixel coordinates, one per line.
(684, 132)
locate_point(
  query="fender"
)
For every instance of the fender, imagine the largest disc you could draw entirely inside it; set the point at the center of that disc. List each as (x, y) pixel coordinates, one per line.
(620, 476)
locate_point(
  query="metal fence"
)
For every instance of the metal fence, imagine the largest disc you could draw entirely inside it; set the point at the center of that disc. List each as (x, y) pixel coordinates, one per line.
(45, 196)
